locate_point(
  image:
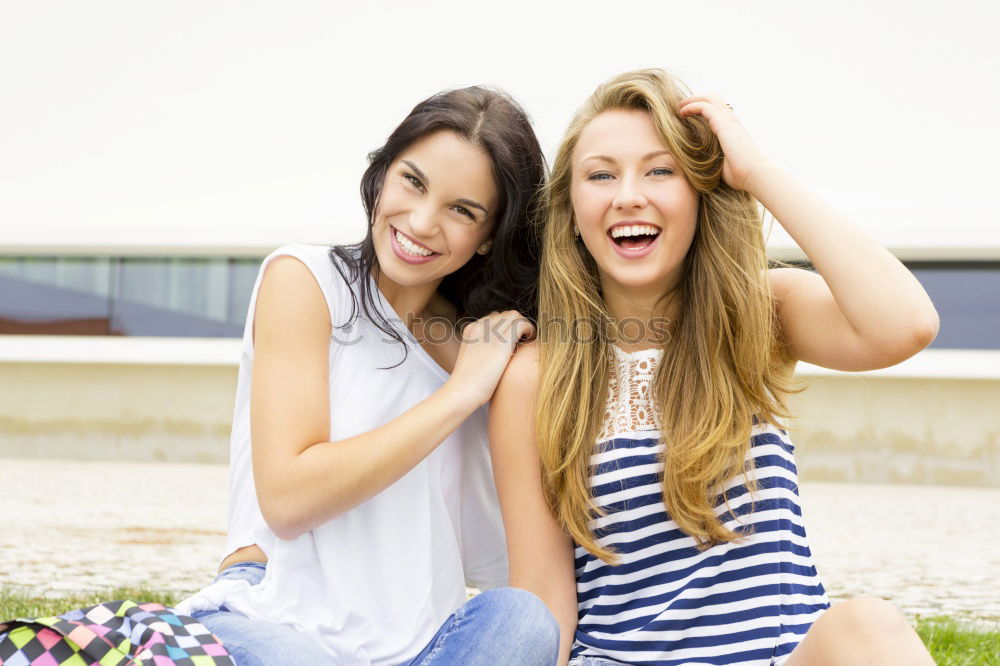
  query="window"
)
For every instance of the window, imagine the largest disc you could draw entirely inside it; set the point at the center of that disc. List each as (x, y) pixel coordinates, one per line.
(966, 295)
(154, 296)
(209, 296)
(967, 298)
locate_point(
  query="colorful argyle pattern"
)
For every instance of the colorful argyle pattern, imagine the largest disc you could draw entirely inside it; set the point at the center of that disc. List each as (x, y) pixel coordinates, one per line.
(116, 633)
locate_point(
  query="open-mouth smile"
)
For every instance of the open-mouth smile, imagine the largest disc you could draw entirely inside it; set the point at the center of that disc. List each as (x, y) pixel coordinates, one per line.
(633, 239)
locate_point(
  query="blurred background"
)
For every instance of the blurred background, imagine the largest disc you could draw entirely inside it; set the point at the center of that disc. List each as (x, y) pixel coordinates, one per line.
(152, 153)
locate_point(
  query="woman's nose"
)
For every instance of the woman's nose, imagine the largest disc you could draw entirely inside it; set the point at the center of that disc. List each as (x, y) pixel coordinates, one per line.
(423, 221)
(629, 195)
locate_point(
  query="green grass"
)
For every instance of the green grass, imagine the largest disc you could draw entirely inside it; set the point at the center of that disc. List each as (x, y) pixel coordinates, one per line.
(16, 604)
(952, 642)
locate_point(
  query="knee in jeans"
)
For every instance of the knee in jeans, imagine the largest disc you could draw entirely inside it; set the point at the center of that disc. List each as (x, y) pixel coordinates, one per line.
(538, 631)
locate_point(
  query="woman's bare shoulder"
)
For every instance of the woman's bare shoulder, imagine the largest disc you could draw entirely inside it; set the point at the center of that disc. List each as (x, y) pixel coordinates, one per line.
(514, 401)
(524, 367)
(288, 274)
(290, 300)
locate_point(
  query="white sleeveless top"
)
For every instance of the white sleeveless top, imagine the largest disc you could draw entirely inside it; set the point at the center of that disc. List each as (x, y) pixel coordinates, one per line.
(373, 585)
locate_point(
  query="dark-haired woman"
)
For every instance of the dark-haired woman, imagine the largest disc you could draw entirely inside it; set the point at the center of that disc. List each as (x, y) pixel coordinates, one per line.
(362, 497)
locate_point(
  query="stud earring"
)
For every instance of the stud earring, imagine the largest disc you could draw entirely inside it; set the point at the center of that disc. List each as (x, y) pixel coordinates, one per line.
(484, 248)
(576, 231)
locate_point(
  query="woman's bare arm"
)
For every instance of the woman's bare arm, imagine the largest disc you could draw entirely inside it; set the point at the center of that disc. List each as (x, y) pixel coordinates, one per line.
(864, 310)
(302, 478)
(539, 552)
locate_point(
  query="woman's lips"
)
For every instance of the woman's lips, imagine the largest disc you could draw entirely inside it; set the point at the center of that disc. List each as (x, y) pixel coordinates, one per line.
(636, 252)
(403, 254)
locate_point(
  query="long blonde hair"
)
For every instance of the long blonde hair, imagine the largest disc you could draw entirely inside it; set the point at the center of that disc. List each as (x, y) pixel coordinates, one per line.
(722, 367)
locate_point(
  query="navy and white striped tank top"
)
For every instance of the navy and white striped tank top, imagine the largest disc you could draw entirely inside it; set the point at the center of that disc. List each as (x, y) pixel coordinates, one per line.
(667, 603)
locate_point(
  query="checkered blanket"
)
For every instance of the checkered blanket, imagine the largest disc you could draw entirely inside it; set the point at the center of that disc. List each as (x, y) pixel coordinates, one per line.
(116, 633)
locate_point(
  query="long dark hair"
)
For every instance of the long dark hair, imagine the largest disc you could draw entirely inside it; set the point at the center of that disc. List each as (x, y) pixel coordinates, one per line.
(506, 278)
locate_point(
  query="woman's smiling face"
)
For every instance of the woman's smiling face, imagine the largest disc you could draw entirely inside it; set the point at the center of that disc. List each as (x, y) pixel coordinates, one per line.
(635, 209)
(435, 209)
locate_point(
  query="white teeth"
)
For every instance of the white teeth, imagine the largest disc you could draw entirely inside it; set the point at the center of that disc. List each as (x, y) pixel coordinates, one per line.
(411, 247)
(635, 230)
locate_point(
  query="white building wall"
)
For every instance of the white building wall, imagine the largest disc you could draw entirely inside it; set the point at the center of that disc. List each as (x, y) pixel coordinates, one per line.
(230, 124)
(233, 127)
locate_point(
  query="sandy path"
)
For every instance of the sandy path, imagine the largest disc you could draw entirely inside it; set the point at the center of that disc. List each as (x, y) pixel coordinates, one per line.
(88, 525)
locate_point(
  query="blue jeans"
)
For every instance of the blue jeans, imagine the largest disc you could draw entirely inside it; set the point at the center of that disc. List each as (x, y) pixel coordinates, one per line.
(258, 642)
(504, 626)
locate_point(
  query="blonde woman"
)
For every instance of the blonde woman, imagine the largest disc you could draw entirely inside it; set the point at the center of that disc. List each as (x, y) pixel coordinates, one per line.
(652, 503)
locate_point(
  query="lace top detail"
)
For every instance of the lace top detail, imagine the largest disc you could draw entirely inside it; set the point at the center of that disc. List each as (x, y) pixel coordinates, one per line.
(629, 407)
(654, 607)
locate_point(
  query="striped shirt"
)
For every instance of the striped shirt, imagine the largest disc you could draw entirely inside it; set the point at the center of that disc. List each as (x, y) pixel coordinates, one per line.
(749, 602)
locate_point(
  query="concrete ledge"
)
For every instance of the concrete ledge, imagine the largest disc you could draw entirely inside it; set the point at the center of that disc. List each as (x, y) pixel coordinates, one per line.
(885, 429)
(117, 411)
(928, 364)
(119, 350)
(930, 420)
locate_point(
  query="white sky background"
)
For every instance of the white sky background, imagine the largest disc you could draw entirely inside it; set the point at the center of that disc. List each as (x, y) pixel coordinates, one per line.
(212, 123)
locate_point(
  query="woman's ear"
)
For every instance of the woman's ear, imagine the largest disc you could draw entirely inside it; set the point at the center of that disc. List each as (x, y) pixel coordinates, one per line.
(485, 247)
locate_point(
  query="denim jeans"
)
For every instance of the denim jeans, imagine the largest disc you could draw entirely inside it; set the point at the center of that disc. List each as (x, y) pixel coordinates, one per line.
(503, 626)
(258, 642)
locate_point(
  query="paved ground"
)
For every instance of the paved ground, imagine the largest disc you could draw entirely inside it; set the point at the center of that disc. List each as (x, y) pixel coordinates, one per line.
(88, 525)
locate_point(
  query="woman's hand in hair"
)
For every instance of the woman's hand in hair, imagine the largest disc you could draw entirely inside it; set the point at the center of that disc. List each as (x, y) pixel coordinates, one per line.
(487, 345)
(743, 158)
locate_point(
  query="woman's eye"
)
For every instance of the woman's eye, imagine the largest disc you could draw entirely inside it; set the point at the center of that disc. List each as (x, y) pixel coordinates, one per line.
(600, 175)
(661, 171)
(462, 210)
(413, 180)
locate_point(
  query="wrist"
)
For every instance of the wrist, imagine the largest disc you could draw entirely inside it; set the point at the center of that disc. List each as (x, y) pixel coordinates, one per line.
(760, 176)
(462, 396)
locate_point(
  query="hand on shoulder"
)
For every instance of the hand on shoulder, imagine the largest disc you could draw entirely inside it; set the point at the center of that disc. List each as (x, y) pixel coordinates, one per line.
(487, 346)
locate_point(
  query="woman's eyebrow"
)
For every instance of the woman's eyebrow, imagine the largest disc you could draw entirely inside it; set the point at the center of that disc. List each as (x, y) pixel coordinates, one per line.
(472, 204)
(644, 158)
(420, 174)
(601, 158)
